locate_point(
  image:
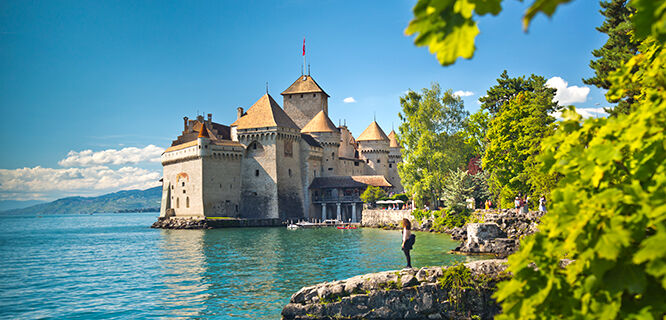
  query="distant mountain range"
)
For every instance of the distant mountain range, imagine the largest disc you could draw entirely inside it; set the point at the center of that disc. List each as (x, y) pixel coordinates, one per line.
(122, 201)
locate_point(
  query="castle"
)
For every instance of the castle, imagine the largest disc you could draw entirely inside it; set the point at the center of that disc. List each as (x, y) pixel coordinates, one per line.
(278, 164)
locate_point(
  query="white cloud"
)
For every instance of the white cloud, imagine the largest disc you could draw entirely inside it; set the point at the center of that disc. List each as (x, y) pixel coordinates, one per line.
(28, 182)
(112, 156)
(566, 94)
(349, 100)
(461, 93)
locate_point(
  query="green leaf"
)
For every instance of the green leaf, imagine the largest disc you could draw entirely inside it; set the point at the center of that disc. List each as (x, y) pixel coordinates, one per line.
(546, 6)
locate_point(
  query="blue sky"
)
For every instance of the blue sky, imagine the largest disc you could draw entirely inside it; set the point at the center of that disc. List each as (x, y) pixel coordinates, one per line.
(82, 81)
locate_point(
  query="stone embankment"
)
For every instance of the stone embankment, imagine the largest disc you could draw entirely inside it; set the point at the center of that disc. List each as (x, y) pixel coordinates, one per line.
(404, 294)
(498, 234)
(213, 222)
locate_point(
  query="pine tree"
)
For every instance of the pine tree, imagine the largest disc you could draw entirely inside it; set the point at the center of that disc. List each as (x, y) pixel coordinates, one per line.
(615, 52)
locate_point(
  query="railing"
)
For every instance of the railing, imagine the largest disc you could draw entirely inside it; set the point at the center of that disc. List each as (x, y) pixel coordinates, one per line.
(333, 199)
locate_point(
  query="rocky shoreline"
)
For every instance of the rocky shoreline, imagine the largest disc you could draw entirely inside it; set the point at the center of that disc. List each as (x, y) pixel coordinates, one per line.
(457, 292)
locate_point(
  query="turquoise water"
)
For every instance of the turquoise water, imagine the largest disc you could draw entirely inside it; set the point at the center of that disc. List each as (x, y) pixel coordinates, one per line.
(114, 266)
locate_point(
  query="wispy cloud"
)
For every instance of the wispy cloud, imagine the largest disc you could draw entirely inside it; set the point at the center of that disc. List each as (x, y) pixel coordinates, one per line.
(26, 183)
(349, 100)
(566, 94)
(149, 153)
(461, 93)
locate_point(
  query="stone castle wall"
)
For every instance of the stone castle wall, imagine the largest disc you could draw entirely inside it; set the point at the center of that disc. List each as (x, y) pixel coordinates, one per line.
(302, 107)
(259, 177)
(290, 191)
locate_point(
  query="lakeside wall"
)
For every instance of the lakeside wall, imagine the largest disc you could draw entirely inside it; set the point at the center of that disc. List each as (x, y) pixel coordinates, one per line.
(381, 217)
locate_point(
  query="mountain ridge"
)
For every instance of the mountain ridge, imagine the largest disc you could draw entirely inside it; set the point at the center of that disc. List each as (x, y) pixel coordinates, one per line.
(121, 201)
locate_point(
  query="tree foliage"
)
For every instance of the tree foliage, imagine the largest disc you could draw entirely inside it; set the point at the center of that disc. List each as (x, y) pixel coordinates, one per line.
(620, 47)
(507, 88)
(430, 134)
(448, 28)
(514, 140)
(608, 211)
(372, 194)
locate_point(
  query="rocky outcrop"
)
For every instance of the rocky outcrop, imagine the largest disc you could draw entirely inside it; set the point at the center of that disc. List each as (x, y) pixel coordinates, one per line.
(499, 234)
(173, 223)
(404, 294)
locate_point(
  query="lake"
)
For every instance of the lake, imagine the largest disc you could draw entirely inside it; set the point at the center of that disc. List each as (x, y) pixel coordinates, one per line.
(114, 266)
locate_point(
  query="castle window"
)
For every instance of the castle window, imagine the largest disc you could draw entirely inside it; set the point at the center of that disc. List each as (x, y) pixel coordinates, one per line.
(356, 163)
(332, 154)
(183, 183)
(330, 169)
(256, 173)
(177, 202)
(220, 186)
(187, 202)
(288, 148)
(236, 208)
(314, 173)
(301, 96)
(379, 160)
(254, 146)
(390, 165)
(231, 186)
(183, 190)
(367, 160)
(314, 94)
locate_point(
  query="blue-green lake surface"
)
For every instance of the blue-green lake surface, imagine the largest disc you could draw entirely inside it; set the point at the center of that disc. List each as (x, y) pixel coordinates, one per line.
(115, 266)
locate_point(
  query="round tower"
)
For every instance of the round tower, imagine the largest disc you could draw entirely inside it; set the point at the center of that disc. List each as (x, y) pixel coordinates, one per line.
(373, 145)
(323, 129)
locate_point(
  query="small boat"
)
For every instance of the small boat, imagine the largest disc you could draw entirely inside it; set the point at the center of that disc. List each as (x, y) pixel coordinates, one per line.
(293, 227)
(347, 227)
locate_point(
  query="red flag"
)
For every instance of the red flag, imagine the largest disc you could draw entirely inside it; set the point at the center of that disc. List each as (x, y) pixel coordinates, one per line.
(303, 46)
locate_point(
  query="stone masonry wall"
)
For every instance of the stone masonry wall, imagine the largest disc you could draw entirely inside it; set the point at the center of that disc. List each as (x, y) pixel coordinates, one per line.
(380, 218)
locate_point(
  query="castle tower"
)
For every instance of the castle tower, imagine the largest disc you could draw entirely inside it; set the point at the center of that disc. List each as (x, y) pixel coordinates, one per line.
(304, 99)
(395, 157)
(271, 172)
(323, 129)
(373, 145)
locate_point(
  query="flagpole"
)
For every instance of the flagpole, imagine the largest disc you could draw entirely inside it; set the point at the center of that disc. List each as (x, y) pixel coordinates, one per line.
(303, 56)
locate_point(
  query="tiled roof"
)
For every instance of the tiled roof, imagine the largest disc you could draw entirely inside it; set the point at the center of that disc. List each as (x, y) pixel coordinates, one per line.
(373, 132)
(304, 84)
(265, 113)
(393, 142)
(377, 181)
(320, 123)
(203, 132)
(310, 140)
(227, 143)
(349, 182)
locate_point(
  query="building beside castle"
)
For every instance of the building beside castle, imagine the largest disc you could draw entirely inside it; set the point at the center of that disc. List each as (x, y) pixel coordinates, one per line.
(275, 163)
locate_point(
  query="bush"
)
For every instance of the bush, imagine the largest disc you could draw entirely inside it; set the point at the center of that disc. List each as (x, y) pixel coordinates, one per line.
(372, 194)
(446, 219)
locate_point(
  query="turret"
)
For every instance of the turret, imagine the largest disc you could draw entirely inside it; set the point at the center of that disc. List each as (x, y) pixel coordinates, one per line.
(373, 145)
(304, 99)
(322, 128)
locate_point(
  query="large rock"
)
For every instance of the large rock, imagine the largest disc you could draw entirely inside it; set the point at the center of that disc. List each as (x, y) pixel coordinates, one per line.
(401, 294)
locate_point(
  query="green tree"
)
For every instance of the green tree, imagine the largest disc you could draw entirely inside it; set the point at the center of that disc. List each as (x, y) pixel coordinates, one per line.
(430, 134)
(372, 194)
(507, 88)
(474, 132)
(620, 47)
(514, 139)
(608, 211)
(457, 189)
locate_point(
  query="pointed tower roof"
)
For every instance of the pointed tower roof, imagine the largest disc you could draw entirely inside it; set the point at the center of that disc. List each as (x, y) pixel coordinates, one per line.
(304, 84)
(265, 113)
(393, 142)
(203, 132)
(372, 132)
(320, 123)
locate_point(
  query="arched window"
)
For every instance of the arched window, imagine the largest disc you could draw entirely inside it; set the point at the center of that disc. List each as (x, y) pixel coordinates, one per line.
(187, 202)
(177, 202)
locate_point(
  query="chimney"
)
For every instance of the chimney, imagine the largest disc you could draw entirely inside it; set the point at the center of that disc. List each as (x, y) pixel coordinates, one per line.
(239, 111)
(184, 123)
(200, 118)
(210, 118)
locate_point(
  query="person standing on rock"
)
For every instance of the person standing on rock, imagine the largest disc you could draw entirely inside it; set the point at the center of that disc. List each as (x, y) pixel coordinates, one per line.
(542, 203)
(408, 240)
